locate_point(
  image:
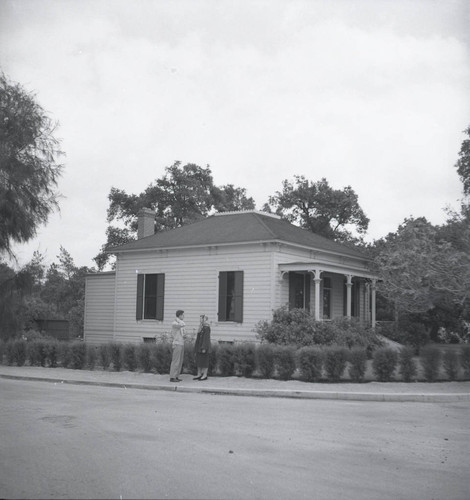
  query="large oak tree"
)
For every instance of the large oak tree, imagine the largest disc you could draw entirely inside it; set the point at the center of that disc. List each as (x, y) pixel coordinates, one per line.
(316, 206)
(184, 194)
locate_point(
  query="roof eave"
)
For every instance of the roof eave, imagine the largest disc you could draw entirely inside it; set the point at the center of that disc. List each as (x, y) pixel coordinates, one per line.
(115, 250)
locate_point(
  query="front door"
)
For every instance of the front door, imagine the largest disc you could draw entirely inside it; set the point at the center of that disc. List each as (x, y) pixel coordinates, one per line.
(299, 291)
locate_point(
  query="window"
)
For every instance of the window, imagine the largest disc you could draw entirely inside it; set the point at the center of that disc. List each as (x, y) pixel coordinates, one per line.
(231, 296)
(299, 291)
(150, 296)
(326, 298)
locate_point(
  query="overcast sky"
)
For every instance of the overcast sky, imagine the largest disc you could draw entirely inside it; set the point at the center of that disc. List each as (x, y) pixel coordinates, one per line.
(372, 94)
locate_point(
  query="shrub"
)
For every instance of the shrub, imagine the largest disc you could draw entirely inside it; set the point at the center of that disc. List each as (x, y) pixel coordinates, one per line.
(284, 361)
(430, 359)
(16, 352)
(226, 360)
(65, 354)
(298, 327)
(310, 361)
(384, 363)
(36, 352)
(245, 359)
(91, 356)
(335, 362)
(213, 359)
(144, 356)
(407, 364)
(350, 332)
(413, 333)
(2, 351)
(189, 360)
(161, 357)
(78, 355)
(52, 353)
(451, 363)
(288, 326)
(357, 364)
(465, 359)
(265, 360)
(115, 352)
(104, 355)
(129, 358)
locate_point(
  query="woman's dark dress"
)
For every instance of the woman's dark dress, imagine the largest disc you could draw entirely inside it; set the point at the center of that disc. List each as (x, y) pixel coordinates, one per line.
(203, 342)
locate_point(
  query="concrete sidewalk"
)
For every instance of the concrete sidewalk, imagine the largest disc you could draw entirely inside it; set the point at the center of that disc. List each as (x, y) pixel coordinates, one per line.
(368, 391)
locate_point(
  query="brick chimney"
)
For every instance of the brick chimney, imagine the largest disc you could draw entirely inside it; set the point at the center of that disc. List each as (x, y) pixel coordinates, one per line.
(146, 223)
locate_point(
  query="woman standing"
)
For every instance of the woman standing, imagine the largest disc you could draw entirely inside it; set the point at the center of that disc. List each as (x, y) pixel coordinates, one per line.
(202, 348)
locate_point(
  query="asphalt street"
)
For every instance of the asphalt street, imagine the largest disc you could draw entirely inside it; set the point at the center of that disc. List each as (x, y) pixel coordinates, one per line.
(76, 441)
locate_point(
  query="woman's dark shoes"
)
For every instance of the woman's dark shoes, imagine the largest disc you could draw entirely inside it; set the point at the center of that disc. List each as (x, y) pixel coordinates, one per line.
(197, 378)
(204, 378)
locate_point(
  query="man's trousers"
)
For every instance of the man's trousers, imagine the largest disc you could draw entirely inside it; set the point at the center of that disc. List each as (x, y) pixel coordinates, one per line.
(177, 361)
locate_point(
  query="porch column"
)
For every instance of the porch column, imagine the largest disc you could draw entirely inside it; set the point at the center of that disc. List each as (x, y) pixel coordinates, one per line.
(373, 288)
(348, 294)
(317, 280)
(367, 303)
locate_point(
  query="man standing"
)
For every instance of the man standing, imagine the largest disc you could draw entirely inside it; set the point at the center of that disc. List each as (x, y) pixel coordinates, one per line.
(177, 331)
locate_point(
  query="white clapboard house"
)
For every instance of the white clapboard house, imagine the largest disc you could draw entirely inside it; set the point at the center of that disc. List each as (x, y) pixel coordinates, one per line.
(236, 267)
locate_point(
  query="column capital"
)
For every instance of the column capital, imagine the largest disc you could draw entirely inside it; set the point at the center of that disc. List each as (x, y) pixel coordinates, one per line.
(316, 274)
(349, 278)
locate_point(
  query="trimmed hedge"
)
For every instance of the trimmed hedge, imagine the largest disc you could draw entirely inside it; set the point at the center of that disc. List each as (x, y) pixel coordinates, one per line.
(284, 361)
(245, 360)
(15, 351)
(309, 363)
(451, 364)
(104, 355)
(129, 357)
(161, 357)
(226, 360)
(384, 363)
(78, 355)
(465, 360)
(144, 356)
(265, 360)
(357, 364)
(430, 359)
(407, 364)
(335, 362)
(115, 352)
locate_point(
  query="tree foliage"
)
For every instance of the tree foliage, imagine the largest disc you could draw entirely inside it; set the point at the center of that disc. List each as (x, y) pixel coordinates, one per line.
(28, 165)
(35, 292)
(422, 271)
(182, 195)
(316, 206)
(463, 163)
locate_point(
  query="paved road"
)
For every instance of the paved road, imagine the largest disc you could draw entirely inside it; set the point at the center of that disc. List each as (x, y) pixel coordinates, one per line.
(67, 441)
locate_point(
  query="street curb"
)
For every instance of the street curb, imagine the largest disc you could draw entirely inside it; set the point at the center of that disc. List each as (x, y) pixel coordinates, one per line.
(266, 393)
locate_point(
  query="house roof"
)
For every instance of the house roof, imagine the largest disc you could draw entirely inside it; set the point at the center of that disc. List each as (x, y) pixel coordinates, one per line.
(235, 228)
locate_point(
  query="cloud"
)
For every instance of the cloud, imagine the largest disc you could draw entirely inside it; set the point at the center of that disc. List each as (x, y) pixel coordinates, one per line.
(367, 94)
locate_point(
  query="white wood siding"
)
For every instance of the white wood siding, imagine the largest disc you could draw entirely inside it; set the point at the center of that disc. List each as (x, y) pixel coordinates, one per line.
(99, 308)
(191, 284)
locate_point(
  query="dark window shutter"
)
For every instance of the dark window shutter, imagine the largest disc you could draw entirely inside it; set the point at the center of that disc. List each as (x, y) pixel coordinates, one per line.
(238, 297)
(160, 296)
(222, 314)
(140, 297)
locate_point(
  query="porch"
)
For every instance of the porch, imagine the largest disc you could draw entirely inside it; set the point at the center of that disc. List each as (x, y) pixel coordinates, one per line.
(329, 290)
